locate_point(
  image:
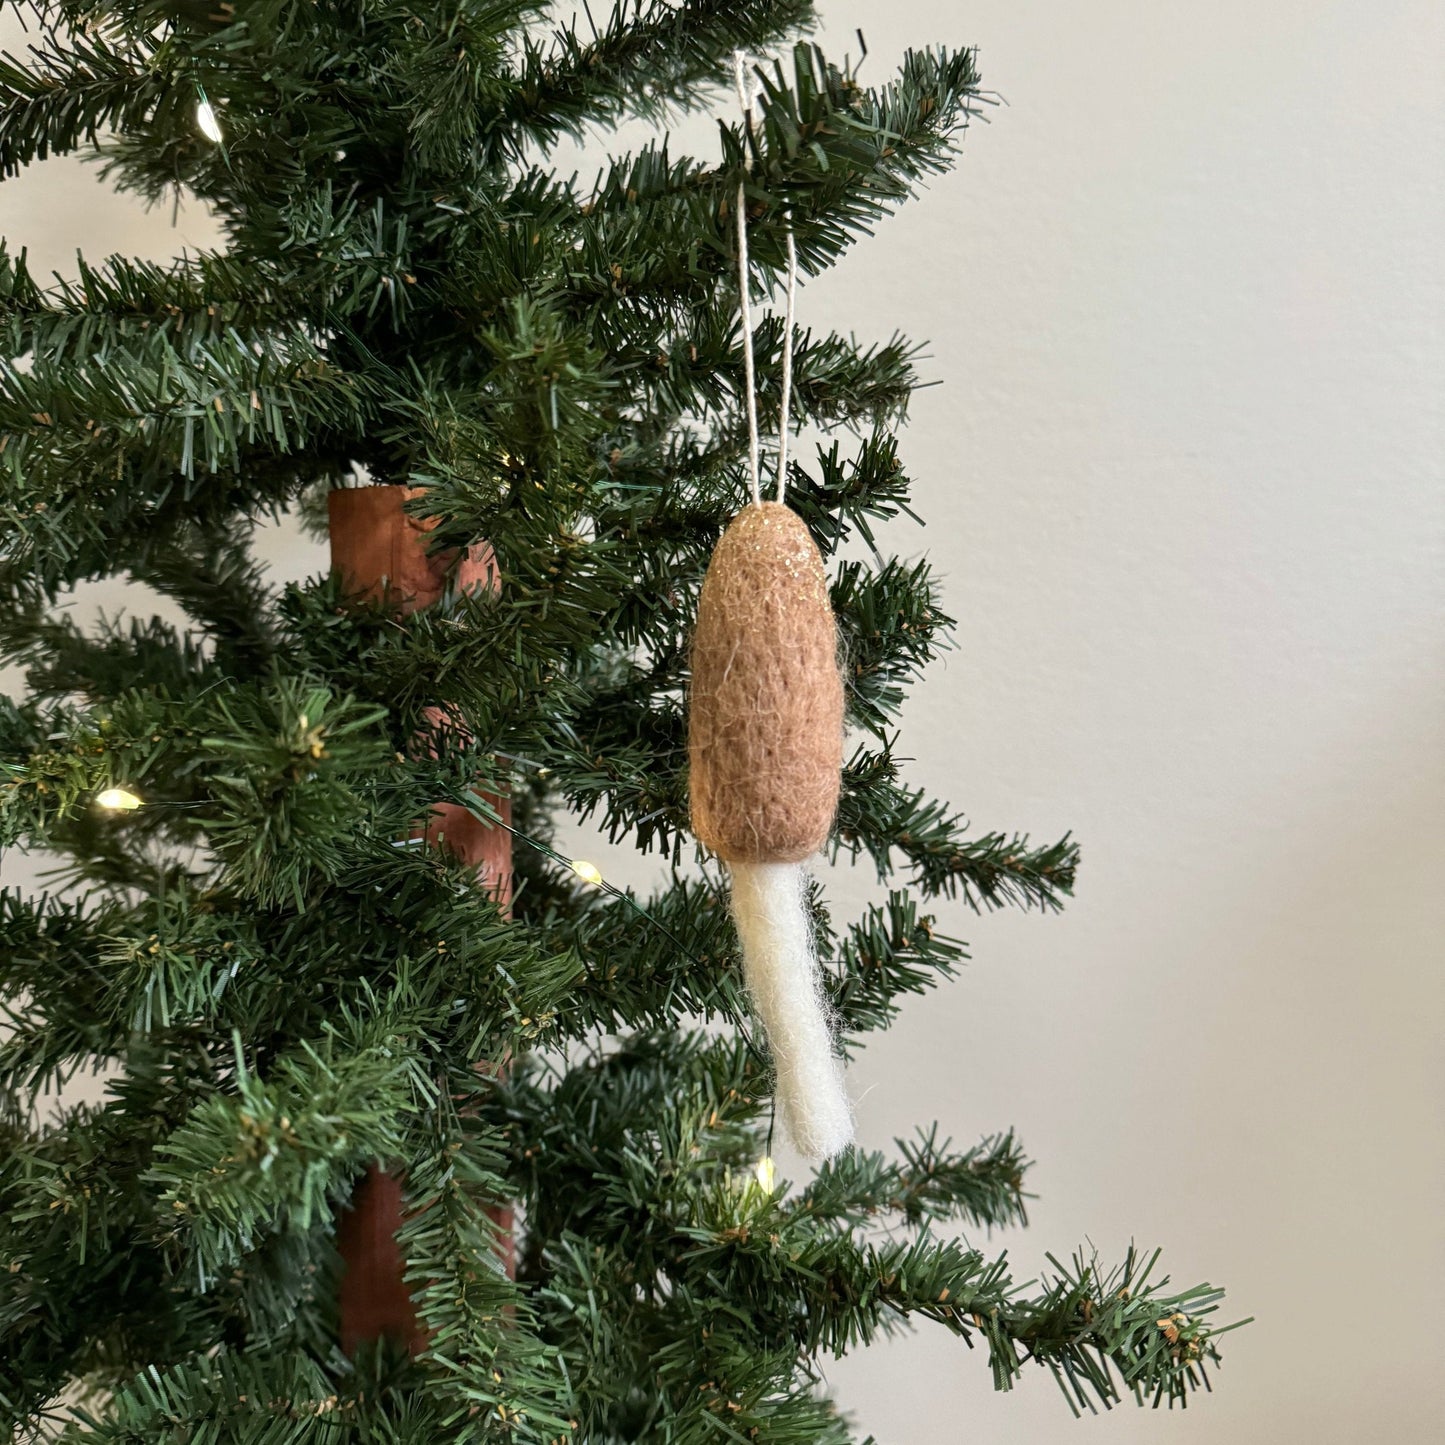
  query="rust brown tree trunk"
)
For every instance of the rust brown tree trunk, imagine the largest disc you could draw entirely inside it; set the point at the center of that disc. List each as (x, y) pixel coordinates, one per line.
(377, 547)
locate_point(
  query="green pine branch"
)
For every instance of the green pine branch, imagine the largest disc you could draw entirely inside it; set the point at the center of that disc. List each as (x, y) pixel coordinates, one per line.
(230, 1397)
(893, 950)
(281, 1153)
(52, 994)
(493, 1376)
(877, 817)
(929, 1184)
(646, 58)
(59, 97)
(827, 157)
(892, 627)
(1102, 1333)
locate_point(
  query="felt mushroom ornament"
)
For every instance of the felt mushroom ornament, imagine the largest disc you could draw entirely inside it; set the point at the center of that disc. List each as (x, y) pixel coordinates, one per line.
(765, 752)
(765, 745)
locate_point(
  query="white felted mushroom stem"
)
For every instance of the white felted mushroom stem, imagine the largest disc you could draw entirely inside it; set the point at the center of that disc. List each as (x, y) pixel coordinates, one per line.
(780, 966)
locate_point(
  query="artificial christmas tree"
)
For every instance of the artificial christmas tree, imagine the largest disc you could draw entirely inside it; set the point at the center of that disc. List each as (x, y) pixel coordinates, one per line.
(282, 947)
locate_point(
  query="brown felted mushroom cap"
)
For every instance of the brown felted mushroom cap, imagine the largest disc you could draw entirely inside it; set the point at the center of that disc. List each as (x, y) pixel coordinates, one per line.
(765, 725)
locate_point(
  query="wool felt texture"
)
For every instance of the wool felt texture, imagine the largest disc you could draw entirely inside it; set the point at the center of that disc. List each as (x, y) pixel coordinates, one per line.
(770, 909)
(765, 722)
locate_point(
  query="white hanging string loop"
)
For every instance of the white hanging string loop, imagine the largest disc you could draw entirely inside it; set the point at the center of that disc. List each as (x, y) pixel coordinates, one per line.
(745, 305)
(786, 405)
(746, 96)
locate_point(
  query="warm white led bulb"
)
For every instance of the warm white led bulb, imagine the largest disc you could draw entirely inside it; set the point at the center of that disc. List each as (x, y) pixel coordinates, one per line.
(587, 872)
(118, 800)
(766, 1172)
(206, 119)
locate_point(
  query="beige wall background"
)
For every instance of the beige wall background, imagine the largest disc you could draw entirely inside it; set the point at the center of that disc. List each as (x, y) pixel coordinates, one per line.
(1183, 480)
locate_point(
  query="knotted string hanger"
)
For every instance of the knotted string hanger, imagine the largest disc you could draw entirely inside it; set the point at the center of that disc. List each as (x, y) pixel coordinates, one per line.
(747, 93)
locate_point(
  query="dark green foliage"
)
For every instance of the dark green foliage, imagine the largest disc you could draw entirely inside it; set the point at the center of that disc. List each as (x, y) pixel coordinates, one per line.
(279, 987)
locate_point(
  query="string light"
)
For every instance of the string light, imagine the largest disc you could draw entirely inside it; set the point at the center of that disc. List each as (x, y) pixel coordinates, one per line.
(766, 1172)
(587, 872)
(206, 119)
(118, 800)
